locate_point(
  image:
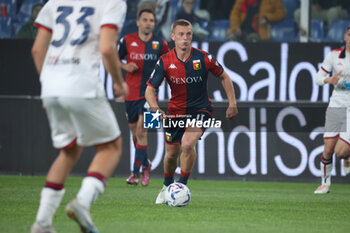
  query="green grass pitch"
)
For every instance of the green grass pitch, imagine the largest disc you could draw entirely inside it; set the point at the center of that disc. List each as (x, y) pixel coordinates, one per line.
(216, 206)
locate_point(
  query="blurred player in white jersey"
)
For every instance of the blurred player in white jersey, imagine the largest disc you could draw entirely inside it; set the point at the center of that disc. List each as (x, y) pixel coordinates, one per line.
(72, 38)
(337, 127)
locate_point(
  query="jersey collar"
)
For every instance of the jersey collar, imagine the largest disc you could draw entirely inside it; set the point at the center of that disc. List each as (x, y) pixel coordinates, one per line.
(186, 59)
(342, 54)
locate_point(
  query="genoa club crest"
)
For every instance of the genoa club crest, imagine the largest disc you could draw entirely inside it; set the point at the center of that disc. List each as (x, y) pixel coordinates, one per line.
(155, 45)
(196, 64)
(168, 137)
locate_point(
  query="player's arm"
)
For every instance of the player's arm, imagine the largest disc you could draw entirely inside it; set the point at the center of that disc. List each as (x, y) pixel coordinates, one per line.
(151, 99)
(321, 78)
(153, 83)
(326, 68)
(226, 82)
(122, 52)
(129, 67)
(40, 47)
(110, 58)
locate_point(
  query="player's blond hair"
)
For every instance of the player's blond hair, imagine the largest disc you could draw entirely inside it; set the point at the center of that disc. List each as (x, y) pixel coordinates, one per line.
(180, 22)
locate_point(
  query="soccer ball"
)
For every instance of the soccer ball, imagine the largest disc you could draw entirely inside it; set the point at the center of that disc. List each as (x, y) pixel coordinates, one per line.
(177, 195)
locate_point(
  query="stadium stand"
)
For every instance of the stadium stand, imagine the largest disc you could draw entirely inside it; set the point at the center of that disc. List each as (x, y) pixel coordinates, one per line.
(6, 27)
(336, 31)
(8, 11)
(284, 31)
(218, 29)
(317, 30)
(290, 6)
(25, 13)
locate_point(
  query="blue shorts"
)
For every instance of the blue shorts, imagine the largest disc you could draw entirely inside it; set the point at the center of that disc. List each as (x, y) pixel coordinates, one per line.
(134, 109)
(173, 135)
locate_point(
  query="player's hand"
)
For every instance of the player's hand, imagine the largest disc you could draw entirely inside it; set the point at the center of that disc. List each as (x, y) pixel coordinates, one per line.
(231, 112)
(122, 90)
(163, 115)
(131, 67)
(334, 79)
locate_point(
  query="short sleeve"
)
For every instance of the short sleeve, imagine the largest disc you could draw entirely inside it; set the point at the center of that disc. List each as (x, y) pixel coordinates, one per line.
(157, 75)
(213, 66)
(114, 13)
(327, 63)
(122, 52)
(165, 48)
(45, 19)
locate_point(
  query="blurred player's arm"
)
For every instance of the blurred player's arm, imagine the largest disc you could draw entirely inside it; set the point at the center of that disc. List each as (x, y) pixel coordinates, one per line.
(157, 77)
(321, 78)
(129, 67)
(122, 53)
(40, 47)
(226, 82)
(151, 99)
(111, 60)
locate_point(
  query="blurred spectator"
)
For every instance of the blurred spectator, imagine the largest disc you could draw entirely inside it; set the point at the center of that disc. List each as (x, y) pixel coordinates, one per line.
(327, 11)
(132, 6)
(217, 9)
(28, 31)
(164, 20)
(250, 19)
(187, 12)
(131, 26)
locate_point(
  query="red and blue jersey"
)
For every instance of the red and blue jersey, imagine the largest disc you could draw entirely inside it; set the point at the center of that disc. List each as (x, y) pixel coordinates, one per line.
(187, 80)
(145, 55)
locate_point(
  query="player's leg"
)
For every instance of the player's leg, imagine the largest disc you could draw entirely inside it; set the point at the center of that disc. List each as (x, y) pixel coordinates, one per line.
(347, 164)
(132, 127)
(132, 116)
(170, 165)
(326, 165)
(101, 168)
(342, 150)
(52, 193)
(64, 137)
(133, 179)
(141, 151)
(170, 162)
(188, 155)
(102, 131)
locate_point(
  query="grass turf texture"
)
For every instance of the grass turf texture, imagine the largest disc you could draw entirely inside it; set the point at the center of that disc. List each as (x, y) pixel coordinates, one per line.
(216, 206)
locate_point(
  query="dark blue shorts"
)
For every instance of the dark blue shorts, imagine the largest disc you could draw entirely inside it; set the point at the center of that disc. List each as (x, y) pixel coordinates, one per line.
(134, 109)
(173, 135)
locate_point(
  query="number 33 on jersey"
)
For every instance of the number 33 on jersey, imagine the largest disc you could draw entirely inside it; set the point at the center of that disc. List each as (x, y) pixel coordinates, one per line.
(66, 64)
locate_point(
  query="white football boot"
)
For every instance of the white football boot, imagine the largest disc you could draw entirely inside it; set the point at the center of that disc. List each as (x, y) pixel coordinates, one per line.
(161, 196)
(326, 175)
(82, 216)
(37, 228)
(323, 189)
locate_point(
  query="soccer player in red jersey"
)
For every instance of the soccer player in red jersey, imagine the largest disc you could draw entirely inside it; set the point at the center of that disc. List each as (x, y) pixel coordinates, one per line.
(186, 71)
(141, 50)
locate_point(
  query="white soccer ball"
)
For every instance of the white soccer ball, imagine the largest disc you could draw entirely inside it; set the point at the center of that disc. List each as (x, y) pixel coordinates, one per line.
(177, 195)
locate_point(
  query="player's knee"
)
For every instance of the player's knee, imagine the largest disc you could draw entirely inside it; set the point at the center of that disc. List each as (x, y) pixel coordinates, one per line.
(73, 152)
(115, 145)
(187, 147)
(140, 135)
(341, 152)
